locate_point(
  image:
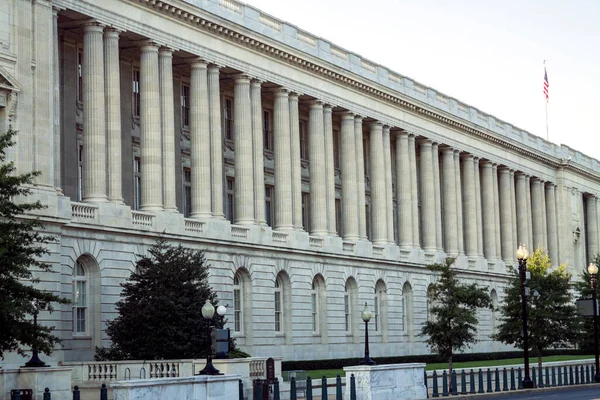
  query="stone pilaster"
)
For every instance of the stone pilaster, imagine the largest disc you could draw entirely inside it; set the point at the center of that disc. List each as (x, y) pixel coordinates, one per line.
(592, 227)
(497, 212)
(531, 244)
(489, 219)
(459, 209)
(389, 195)
(167, 112)
(427, 189)
(285, 181)
(536, 207)
(244, 170)
(404, 190)
(22, 154)
(513, 209)
(94, 122)
(449, 198)
(552, 223)
(522, 209)
(318, 193)
(257, 152)
(544, 216)
(360, 177)
(378, 190)
(435, 153)
(216, 142)
(296, 166)
(349, 192)
(506, 217)
(478, 208)
(57, 156)
(329, 169)
(470, 205)
(413, 171)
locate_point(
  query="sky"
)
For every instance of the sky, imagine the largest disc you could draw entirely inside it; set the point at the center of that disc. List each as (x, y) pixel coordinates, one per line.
(486, 53)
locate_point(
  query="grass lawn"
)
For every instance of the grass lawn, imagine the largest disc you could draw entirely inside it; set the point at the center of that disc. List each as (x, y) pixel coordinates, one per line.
(332, 373)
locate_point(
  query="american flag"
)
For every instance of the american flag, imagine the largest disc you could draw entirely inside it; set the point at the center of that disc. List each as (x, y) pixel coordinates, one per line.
(546, 84)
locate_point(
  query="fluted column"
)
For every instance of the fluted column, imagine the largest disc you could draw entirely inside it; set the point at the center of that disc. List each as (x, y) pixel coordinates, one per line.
(470, 205)
(497, 211)
(244, 171)
(552, 223)
(513, 209)
(413, 171)
(449, 197)
(57, 156)
(389, 195)
(404, 190)
(521, 205)
(329, 169)
(349, 192)
(360, 177)
(283, 167)
(459, 210)
(506, 229)
(478, 208)
(94, 123)
(435, 153)
(378, 190)
(257, 152)
(216, 142)
(165, 60)
(531, 244)
(296, 168)
(536, 207)
(544, 216)
(592, 227)
(489, 219)
(200, 141)
(318, 193)
(427, 195)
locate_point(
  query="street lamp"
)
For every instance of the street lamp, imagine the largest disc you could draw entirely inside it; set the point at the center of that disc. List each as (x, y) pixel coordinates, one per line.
(208, 312)
(366, 316)
(593, 271)
(522, 255)
(35, 361)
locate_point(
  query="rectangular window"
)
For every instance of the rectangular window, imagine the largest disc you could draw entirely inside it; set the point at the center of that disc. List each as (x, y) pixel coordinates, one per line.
(338, 216)
(237, 310)
(80, 173)
(277, 310)
(136, 92)
(303, 141)
(79, 76)
(376, 313)
(336, 149)
(347, 311)
(137, 183)
(185, 106)
(368, 218)
(187, 192)
(269, 205)
(306, 211)
(229, 200)
(80, 307)
(228, 119)
(315, 322)
(267, 132)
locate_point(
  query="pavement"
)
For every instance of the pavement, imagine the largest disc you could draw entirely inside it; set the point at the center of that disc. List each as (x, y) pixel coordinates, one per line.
(587, 392)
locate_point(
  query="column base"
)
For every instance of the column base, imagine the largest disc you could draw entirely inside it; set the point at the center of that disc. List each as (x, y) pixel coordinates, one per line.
(95, 199)
(151, 207)
(201, 216)
(284, 228)
(243, 222)
(318, 233)
(116, 201)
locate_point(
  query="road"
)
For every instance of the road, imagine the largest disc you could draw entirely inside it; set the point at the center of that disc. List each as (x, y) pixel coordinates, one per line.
(577, 393)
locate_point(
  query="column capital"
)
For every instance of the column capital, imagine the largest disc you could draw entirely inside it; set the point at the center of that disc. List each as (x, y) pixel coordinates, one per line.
(486, 163)
(327, 107)
(316, 104)
(467, 156)
(165, 51)
(149, 46)
(347, 115)
(423, 141)
(376, 125)
(401, 133)
(358, 118)
(241, 78)
(503, 169)
(110, 32)
(447, 150)
(283, 92)
(255, 82)
(387, 128)
(214, 67)
(549, 184)
(93, 26)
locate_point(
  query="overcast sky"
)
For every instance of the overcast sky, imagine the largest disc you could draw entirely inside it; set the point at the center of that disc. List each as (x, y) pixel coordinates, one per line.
(488, 54)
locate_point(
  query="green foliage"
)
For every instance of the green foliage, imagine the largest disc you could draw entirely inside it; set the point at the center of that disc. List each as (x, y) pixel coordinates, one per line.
(160, 313)
(21, 248)
(452, 325)
(552, 318)
(584, 288)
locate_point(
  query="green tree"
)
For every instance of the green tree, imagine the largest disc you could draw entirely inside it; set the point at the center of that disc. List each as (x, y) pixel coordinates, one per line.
(22, 248)
(584, 289)
(452, 324)
(160, 313)
(552, 317)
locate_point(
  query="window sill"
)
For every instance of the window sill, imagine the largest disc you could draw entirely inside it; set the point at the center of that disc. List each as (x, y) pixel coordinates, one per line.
(280, 335)
(81, 337)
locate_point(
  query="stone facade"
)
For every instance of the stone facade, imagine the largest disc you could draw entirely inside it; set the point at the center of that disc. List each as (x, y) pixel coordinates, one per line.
(314, 179)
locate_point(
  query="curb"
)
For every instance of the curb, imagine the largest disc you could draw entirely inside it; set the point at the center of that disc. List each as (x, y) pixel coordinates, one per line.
(522, 391)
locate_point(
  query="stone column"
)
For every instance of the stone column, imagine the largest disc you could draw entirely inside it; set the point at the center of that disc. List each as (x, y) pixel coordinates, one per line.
(427, 190)
(403, 190)
(112, 91)
(449, 197)
(552, 223)
(497, 211)
(513, 208)
(478, 208)
(216, 142)
(329, 169)
(94, 122)
(349, 192)
(544, 216)
(56, 104)
(536, 207)
(244, 170)
(200, 141)
(378, 190)
(506, 217)
(283, 166)
(459, 209)
(522, 209)
(296, 167)
(531, 244)
(165, 60)
(489, 219)
(389, 195)
(257, 152)
(360, 177)
(437, 196)
(412, 154)
(592, 227)
(318, 193)
(470, 205)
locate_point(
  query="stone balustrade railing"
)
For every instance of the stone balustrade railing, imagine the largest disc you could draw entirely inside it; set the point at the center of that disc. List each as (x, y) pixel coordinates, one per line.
(84, 212)
(142, 219)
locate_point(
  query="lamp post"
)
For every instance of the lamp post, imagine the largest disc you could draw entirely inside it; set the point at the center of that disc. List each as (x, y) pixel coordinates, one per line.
(208, 312)
(35, 361)
(522, 255)
(593, 271)
(366, 316)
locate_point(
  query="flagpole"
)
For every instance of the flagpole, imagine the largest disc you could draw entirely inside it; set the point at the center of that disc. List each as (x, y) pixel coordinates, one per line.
(547, 137)
(546, 92)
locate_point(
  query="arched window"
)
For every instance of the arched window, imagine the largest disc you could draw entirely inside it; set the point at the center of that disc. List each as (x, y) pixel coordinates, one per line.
(238, 301)
(407, 310)
(379, 306)
(351, 309)
(242, 303)
(318, 306)
(80, 300)
(314, 301)
(494, 321)
(430, 302)
(282, 304)
(278, 307)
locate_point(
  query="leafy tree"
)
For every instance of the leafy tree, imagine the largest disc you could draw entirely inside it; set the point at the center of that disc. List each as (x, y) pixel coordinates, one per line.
(22, 247)
(452, 325)
(552, 317)
(160, 313)
(584, 288)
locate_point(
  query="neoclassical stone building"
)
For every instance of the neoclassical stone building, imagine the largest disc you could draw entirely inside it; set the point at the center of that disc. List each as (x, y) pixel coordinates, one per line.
(314, 179)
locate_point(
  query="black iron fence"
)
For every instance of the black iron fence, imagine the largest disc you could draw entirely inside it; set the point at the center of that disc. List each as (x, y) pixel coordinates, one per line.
(262, 389)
